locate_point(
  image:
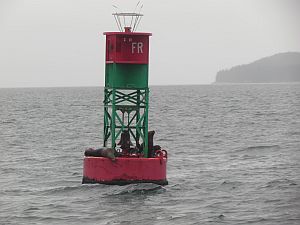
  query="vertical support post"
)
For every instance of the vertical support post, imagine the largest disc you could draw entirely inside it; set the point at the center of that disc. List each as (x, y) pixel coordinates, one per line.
(113, 119)
(106, 118)
(146, 123)
(137, 134)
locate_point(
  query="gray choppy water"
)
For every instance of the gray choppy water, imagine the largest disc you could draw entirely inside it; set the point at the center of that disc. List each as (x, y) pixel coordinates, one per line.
(234, 157)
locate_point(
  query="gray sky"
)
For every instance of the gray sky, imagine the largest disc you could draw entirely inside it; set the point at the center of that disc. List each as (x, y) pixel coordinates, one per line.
(60, 43)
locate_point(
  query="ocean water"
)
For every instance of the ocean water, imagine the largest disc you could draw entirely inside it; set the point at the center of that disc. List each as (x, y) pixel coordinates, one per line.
(234, 157)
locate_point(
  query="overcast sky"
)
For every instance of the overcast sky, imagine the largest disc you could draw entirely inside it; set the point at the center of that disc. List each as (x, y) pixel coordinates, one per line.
(60, 42)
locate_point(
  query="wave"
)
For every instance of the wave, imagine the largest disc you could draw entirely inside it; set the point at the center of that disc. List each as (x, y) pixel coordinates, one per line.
(67, 189)
(280, 183)
(225, 185)
(258, 147)
(8, 121)
(136, 189)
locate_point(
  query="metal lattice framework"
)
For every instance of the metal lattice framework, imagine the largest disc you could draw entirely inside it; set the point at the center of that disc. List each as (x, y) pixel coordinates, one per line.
(126, 110)
(131, 20)
(128, 19)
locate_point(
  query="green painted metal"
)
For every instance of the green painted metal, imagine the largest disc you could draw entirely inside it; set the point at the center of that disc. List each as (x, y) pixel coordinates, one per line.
(126, 109)
(146, 124)
(126, 76)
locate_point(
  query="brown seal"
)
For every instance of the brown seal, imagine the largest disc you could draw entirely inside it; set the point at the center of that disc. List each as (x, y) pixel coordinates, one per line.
(101, 152)
(151, 147)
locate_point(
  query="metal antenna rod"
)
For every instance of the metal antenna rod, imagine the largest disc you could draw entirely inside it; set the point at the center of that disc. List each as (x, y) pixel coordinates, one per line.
(134, 12)
(137, 18)
(118, 17)
(135, 21)
(117, 21)
(124, 21)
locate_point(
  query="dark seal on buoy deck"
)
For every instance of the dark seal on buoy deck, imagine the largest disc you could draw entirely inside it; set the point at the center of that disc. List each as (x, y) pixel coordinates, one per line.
(101, 152)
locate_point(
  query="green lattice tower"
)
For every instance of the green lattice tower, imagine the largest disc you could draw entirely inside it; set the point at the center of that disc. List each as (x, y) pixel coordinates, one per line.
(126, 92)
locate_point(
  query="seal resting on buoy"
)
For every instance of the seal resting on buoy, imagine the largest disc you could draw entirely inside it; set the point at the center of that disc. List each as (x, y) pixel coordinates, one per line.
(101, 152)
(125, 140)
(151, 147)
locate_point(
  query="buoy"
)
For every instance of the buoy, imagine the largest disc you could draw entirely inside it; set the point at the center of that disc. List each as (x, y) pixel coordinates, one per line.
(128, 154)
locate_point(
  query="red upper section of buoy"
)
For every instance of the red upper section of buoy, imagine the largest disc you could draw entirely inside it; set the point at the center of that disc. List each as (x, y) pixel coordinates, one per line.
(127, 47)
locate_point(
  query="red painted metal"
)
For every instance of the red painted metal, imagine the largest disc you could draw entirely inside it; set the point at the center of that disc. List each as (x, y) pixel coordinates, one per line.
(125, 170)
(127, 47)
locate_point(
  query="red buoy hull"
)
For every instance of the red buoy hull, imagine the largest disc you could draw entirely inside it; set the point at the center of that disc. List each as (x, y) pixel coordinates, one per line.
(125, 170)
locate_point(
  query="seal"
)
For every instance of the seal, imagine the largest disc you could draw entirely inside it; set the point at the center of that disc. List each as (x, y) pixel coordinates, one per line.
(151, 147)
(125, 140)
(101, 152)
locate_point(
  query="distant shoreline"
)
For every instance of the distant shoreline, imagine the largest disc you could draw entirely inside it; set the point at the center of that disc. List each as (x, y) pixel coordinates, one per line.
(278, 68)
